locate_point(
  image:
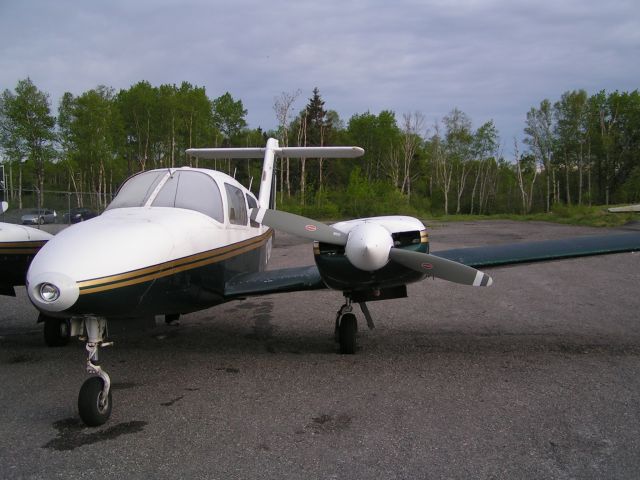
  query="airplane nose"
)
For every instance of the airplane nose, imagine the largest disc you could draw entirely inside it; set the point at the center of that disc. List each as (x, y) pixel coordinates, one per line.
(53, 292)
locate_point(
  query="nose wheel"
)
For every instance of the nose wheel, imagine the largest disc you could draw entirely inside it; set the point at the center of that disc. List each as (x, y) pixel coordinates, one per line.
(94, 399)
(346, 329)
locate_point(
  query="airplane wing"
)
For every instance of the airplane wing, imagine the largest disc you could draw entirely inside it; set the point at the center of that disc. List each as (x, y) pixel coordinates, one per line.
(274, 281)
(525, 252)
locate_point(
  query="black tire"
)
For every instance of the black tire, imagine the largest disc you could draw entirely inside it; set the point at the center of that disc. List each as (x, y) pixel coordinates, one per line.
(89, 403)
(347, 332)
(41, 221)
(57, 331)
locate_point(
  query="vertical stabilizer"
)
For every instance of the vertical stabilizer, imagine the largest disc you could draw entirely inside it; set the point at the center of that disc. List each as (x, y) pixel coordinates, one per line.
(266, 181)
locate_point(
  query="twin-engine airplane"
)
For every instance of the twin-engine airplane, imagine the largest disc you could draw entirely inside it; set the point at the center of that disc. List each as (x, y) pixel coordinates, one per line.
(179, 240)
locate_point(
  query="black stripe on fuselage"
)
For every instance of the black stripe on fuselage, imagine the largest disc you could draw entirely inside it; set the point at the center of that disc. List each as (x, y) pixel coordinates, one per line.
(15, 258)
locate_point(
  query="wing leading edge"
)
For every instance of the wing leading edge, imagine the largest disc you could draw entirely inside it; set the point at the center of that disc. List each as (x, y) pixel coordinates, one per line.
(512, 253)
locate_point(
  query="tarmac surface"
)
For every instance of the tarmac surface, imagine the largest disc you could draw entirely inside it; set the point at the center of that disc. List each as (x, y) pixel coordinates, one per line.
(537, 376)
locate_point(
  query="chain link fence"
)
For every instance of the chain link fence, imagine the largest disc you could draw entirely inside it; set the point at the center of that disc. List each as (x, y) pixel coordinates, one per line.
(57, 207)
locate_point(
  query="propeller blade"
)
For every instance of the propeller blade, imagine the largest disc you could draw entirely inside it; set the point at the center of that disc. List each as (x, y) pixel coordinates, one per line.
(440, 267)
(297, 225)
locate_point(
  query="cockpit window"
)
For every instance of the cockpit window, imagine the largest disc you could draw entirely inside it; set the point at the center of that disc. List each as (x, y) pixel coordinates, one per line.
(136, 190)
(237, 207)
(193, 191)
(183, 189)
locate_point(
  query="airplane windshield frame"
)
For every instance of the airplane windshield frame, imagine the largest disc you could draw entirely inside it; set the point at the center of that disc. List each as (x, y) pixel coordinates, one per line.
(187, 189)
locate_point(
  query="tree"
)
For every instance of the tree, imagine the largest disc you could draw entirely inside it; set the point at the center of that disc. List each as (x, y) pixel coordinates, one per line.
(540, 138)
(137, 108)
(379, 135)
(282, 106)
(228, 116)
(571, 115)
(27, 128)
(443, 167)
(412, 130)
(484, 149)
(526, 174)
(459, 138)
(89, 127)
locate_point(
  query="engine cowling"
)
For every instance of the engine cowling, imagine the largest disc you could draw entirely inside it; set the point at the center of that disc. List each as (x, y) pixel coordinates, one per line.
(368, 246)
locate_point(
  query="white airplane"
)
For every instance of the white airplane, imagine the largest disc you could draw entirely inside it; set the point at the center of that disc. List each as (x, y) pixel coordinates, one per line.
(625, 209)
(18, 246)
(179, 240)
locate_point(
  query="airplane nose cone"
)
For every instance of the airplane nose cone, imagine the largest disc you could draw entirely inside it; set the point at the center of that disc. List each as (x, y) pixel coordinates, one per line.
(368, 247)
(52, 292)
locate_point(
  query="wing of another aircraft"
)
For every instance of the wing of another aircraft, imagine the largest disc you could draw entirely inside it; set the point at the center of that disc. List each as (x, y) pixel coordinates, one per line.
(275, 281)
(512, 253)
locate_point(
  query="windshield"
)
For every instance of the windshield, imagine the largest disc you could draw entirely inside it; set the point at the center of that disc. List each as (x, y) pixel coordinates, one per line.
(191, 190)
(135, 192)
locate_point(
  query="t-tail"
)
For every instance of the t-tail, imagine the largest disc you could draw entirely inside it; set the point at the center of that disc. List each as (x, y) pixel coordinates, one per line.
(269, 153)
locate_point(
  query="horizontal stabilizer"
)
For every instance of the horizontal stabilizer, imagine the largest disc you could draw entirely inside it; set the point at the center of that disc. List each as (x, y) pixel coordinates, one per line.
(294, 152)
(324, 152)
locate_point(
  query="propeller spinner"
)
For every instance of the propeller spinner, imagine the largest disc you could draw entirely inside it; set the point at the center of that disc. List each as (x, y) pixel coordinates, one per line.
(369, 247)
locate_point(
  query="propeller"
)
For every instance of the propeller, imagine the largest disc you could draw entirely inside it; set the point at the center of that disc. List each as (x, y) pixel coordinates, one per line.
(369, 247)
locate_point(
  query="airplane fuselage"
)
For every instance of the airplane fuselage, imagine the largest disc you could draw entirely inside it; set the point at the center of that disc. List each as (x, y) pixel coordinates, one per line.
(151, 259)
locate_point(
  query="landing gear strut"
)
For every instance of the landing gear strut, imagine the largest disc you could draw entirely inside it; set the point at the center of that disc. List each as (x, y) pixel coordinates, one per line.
(57, 331)
(94, 399)
(347, 326)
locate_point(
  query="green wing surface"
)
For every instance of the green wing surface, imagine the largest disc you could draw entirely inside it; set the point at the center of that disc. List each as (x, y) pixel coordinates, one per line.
(512, 253)
(275, 281)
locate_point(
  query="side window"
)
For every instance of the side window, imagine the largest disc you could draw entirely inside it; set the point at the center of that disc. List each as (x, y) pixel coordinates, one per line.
(251, 201)
(237, 207)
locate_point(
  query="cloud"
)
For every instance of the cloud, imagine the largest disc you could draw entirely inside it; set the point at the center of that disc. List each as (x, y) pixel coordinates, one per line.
(492, 59)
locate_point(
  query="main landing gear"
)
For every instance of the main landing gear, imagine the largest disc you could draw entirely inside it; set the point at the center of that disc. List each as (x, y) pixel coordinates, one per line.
(347, 327)
(57, 331)
(94, 399)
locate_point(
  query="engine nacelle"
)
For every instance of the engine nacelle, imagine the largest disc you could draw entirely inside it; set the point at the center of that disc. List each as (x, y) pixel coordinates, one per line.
(368, 246)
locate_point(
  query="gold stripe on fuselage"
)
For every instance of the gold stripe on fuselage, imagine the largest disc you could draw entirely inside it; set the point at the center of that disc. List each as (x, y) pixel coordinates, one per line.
(174, 266)
(21, 248)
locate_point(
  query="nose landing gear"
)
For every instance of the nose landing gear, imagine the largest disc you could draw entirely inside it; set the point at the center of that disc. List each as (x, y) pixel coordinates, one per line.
(94, 399)
(347, 327)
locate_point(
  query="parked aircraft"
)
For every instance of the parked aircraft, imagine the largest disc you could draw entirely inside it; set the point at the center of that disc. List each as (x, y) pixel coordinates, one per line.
(18, 246)
(625, 209)
(179, 240)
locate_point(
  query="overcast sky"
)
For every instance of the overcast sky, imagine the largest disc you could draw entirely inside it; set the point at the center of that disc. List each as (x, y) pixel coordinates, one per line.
(491, 59)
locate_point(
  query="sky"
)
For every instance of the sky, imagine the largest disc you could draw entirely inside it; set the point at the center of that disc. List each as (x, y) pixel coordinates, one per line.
(492, 59)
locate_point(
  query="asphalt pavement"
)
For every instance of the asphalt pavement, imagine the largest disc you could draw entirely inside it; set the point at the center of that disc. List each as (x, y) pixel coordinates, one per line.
(537, 377)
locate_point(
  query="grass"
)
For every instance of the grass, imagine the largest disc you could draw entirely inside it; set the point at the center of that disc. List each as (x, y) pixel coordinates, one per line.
(594, 216)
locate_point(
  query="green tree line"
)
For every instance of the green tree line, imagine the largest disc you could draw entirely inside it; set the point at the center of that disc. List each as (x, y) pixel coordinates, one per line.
(579, 150)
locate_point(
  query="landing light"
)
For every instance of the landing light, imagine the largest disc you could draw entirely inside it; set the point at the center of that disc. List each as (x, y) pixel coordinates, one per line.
(49, 292)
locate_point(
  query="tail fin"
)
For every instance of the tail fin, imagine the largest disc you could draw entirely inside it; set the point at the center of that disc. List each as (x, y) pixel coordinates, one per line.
(269, 153)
